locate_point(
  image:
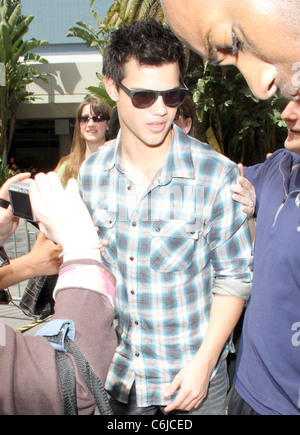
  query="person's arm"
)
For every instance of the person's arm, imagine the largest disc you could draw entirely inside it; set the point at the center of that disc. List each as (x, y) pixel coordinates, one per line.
(230, 244)
(42, 260)
(8, 223)
(29, 379)
(193, 380)
(30, 383)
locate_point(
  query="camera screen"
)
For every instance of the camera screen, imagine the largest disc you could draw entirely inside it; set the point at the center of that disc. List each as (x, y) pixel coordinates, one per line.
(21, 205)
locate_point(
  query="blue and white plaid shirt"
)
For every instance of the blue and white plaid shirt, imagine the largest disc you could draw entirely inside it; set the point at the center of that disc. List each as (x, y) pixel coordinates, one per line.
(170, 251)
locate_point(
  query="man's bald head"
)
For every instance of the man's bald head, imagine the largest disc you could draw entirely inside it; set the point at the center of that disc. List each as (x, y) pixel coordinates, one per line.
(260, 37)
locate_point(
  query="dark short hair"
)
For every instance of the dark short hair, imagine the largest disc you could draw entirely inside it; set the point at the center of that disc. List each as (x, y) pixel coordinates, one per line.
(149, 42)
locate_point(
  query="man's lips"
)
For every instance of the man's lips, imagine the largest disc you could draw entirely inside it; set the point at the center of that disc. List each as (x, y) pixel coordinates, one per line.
(157, 127)
(291, 131)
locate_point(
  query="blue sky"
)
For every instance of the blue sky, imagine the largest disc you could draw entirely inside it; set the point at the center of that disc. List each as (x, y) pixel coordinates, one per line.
(53, 18)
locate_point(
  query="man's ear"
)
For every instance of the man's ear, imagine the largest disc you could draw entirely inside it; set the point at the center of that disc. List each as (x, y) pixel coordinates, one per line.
(111, 88)
(188, 124)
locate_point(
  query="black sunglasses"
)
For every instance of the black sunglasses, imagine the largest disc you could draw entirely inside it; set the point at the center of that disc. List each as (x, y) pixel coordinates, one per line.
(96, 118)
(142, 99)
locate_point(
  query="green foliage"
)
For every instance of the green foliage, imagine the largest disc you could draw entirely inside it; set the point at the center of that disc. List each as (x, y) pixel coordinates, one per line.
(97, 38)
(128, 11)
(245, 128)
(92, 37)
(100, 92)
(6, 172)
(16, 54)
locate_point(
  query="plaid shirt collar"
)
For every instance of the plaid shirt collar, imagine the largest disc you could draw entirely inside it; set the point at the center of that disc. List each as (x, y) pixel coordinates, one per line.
(179, 164)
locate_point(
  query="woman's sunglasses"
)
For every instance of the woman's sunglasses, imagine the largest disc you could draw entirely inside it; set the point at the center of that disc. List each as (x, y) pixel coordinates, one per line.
(145, 98)
(96, 118)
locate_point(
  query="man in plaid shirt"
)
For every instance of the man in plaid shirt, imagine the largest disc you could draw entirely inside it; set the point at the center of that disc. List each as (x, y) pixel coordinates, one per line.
(179, 245)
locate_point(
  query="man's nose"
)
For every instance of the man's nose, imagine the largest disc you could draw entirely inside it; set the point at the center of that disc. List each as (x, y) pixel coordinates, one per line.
(159, 107)
(260, 76)
(291, 111)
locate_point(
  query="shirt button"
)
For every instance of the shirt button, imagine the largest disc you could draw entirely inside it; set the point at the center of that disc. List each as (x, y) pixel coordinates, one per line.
(131, 258)
(136, 323)
(129, 187)
(132, 292)
(137, 354)
(133, 224)
(157, 229)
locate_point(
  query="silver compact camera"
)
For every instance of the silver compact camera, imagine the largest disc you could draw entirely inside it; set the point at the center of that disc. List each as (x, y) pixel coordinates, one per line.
(20, 201)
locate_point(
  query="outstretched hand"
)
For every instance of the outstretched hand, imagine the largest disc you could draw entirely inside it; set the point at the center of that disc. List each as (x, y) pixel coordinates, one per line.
(244, 193)
(62, 214)
(9, 223)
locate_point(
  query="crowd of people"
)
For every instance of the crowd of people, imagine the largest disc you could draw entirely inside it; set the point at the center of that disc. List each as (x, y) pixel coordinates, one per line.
(155, 291)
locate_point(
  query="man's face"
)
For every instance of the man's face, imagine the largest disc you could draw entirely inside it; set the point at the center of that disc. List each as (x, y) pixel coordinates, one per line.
(291, 115)
(260, 37)
(149, 126)
(93, 132)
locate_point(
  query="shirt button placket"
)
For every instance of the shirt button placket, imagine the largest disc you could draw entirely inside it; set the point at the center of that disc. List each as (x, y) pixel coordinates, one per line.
(133, 272)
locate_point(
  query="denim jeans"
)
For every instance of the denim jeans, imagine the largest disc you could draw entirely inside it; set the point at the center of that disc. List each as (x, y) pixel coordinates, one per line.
(213, 404)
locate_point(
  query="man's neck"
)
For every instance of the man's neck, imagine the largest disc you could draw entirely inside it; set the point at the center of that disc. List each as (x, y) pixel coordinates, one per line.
(142, 162)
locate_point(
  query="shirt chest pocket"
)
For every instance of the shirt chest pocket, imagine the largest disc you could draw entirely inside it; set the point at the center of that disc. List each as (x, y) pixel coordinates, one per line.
(173, 245)
(106, 223)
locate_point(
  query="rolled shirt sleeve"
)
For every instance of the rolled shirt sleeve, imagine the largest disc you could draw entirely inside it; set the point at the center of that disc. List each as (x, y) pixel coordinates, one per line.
(229, 239)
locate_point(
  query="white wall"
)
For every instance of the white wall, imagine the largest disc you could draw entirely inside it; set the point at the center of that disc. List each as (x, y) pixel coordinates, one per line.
(71, 76)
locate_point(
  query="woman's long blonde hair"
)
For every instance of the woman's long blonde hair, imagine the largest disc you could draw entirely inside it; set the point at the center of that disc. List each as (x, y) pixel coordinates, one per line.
(73, 161)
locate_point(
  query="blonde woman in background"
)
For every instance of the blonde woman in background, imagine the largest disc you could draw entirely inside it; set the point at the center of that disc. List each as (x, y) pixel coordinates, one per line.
(90, 134)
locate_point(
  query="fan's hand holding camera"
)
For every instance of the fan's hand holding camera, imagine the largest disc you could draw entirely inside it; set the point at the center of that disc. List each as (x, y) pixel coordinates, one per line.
(8, 223)
(42, 259)
(83, 295)
(20, 201)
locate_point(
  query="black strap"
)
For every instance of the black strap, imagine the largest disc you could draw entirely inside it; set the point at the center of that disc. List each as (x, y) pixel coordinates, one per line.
(4, 203)
(92, 381)
(4, 260)
(68, 383)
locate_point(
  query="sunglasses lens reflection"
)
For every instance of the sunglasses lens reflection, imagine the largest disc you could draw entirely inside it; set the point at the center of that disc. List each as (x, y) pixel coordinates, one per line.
(175, 98)
(96, 118)
(142, 99)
